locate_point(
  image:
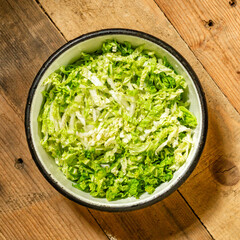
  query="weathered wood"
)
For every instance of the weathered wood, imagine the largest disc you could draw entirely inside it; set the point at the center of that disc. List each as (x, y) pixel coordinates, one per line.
(213, 189)
(29, 207)
(212, 30)
(167, 219)
(24, 31)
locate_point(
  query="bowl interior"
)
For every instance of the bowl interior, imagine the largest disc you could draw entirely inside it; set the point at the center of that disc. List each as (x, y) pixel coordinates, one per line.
(70, 55)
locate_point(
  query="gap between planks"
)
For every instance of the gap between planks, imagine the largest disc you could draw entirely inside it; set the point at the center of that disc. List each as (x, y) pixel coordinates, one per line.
(196, 56)
(45, 12)
(98, 223)
(195, 214)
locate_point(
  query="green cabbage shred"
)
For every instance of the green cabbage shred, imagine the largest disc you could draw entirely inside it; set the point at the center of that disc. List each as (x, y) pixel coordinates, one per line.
(117, 121)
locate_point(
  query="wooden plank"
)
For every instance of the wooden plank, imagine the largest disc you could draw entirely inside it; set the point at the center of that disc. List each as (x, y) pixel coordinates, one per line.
(29, 207)
(167, 219)
(24, 32)
(213, 190)
(216, 46)
(207, 191)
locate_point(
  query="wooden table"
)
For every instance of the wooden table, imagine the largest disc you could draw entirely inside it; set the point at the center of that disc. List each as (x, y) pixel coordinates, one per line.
(207, 34)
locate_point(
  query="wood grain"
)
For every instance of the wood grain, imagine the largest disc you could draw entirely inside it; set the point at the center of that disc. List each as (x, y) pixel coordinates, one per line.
(24, 32)
(29, 207)
(213, 189)
(216, 46)
(167, 219)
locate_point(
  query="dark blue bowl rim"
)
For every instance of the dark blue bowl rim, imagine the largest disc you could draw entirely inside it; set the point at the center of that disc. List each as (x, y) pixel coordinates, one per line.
(117, 31)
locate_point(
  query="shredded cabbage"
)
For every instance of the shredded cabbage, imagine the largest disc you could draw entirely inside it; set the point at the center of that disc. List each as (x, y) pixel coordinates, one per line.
(117, 121)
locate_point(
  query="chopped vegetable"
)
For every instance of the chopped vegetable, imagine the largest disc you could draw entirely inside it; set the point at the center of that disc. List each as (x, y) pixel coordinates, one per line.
(116, 121)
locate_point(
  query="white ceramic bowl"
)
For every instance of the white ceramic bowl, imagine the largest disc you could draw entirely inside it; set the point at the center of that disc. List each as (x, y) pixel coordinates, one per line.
(71, 52)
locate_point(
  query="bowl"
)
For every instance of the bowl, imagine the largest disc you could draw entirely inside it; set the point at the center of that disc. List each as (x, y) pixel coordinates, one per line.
(69, 53)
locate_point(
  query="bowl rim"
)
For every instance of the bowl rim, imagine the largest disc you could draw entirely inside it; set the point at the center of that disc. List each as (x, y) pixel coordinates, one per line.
(145, 36)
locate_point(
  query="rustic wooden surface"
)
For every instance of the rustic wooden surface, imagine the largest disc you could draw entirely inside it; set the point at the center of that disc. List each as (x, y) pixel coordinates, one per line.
(207, 205)
(212, 31)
